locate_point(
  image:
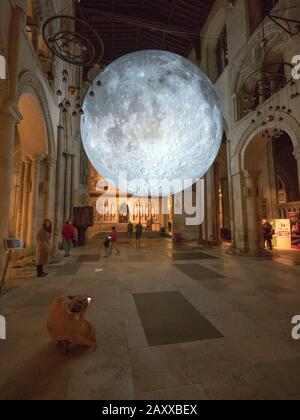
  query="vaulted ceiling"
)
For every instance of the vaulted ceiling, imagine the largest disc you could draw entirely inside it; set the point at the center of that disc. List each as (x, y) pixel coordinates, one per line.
(110, 19)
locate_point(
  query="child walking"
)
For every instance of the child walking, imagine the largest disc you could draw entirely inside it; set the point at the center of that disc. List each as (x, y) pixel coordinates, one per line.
(106, 244)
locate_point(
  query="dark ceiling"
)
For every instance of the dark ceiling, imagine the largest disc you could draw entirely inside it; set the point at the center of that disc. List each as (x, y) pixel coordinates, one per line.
(119, 38)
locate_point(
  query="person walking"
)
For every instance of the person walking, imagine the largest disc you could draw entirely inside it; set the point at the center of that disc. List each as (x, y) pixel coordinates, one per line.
(43, 247)
(148, 226)
(138, 234)
(68, 236)
(129, 229)
(114, 241)
(106, 245)
(268, 234)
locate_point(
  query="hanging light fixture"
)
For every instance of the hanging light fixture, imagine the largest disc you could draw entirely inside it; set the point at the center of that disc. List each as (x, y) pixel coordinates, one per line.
(72, 90)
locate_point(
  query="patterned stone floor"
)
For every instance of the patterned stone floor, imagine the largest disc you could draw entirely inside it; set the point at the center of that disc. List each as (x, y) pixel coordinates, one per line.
(249, 302)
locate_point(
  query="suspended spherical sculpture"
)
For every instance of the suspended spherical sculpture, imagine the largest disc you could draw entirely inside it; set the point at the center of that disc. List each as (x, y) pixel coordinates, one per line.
(156, 119)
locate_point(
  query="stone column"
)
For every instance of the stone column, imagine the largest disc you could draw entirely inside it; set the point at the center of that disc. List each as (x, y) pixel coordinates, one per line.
(297, 157)
(15, 186)
(59, 189)
(25, 199)
(7, 133)
(34, 202)
(68, 183)
(51, 169)
(254, 227)
(73, 184)
(20, 200)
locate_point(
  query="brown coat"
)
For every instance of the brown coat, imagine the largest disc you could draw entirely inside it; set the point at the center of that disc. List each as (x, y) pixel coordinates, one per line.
(64, 325)
(42, 247)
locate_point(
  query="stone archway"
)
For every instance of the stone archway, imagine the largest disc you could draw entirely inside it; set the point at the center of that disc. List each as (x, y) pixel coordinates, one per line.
(258, 172)
(33, 178)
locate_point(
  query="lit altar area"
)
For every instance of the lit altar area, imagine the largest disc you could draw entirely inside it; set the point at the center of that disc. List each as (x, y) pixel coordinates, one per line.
(116, 210)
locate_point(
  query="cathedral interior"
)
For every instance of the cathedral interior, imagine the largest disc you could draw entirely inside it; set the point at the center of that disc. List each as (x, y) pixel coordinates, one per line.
(174, 310)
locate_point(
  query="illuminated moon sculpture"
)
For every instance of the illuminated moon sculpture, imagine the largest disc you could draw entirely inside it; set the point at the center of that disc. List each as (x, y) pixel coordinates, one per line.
(156, 120)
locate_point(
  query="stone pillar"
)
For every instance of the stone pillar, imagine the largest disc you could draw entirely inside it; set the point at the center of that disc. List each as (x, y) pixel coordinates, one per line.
(51, 169)
(239, 213)
(73, 185)
(15, 186)
(68, 183)
(7, 133)
(209, 205)
(231, 198)
(25, 199)
(254, 226)
(34, 202)
(297, 157)
(20, 200)
(225, 203)
(59, 189)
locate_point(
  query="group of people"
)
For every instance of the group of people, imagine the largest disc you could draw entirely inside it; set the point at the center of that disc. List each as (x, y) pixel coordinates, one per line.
(110, 242)
(138, 232)
(164, 233)
(69, 238)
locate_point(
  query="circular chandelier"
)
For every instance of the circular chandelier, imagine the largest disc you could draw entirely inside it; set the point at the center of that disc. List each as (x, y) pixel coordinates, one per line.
(63, 40)
(265, 81)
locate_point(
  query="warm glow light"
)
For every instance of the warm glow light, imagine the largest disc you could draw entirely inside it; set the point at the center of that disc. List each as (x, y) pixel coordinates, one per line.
(156, 117)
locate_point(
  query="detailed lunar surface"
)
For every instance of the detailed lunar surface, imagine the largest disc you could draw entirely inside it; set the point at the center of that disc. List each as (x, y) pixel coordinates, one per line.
(155, 123)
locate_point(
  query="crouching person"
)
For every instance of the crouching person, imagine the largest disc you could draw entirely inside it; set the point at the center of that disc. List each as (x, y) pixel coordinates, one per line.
(67, 324)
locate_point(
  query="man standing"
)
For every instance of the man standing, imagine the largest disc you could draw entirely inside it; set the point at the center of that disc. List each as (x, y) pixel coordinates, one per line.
(129, 229)
(68, 236)
(138, 234)
(114, 240)
(268, 234)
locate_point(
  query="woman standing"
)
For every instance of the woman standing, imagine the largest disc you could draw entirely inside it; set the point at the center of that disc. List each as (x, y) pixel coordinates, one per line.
(43, 248)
